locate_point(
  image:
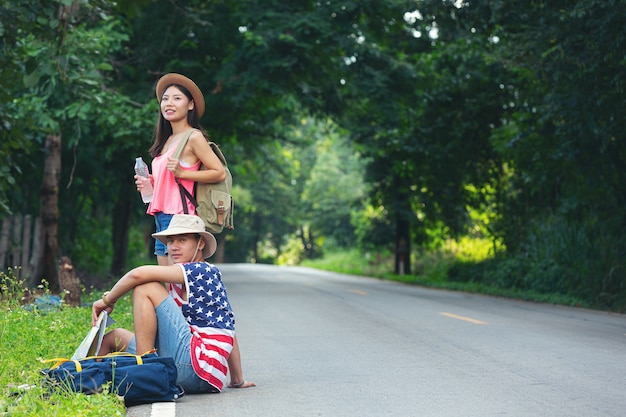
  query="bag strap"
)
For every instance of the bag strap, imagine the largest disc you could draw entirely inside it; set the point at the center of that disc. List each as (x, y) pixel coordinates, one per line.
(60, 361)
(181, 144)
(218, 152)
(184, 194)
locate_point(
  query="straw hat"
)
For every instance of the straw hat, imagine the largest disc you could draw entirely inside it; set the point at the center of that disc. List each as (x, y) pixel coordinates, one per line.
(188, 223)
(173, 78)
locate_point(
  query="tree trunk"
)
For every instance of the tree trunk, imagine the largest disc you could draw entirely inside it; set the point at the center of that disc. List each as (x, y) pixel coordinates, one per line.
(50, 212)
(403, 234)
(308, 243)
(403, 247)
(255, 237)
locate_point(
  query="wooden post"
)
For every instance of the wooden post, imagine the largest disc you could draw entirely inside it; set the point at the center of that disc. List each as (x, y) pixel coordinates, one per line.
(4, 242)
(25, 255)
(36, 256)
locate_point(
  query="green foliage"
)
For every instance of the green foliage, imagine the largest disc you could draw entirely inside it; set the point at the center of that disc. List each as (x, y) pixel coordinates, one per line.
(470, 249)
(371, 228)
(554, 251)
(507, 277)
(271, 212)
(18, 18)
(335, 187)
(60, 88)
(292, 252)
(577, 260)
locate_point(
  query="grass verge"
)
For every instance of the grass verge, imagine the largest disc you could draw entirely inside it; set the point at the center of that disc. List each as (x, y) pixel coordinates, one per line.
(429, 270)
(33, 332)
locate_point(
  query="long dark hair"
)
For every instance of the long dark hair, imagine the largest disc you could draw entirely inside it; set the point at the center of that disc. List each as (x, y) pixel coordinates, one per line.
(163, 129)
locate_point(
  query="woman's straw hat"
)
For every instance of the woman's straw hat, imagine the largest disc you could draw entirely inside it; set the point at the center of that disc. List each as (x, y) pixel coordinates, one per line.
(173, 78)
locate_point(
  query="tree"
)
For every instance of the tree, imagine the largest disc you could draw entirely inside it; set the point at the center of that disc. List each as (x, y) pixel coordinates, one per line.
(63, 76)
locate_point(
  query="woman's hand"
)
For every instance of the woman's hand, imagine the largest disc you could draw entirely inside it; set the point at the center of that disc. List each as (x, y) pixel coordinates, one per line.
(173, 166)
(139, 183)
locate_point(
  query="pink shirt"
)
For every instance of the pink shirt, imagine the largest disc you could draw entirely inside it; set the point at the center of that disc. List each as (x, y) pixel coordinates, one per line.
(166, 197)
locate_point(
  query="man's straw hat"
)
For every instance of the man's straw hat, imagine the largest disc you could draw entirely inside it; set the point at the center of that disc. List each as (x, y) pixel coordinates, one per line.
(188, 223)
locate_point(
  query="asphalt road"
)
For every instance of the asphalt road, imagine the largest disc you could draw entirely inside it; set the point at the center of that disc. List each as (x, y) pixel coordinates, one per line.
(323, 344)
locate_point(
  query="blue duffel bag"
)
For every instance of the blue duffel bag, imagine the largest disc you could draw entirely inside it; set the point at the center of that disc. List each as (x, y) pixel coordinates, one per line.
(139, 379)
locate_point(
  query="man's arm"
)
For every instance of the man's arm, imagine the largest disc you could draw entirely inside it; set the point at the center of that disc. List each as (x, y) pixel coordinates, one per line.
(234, 367)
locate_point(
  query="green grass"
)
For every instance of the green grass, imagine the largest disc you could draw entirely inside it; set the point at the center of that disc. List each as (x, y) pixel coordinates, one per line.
(27, 337)
(353, 262)
(430, 270)
(428, 267)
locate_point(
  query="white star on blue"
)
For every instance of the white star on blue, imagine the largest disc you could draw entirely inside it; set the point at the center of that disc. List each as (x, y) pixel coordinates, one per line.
(207, 304)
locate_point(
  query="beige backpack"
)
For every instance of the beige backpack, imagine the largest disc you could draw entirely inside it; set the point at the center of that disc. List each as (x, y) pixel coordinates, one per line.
(213, 202)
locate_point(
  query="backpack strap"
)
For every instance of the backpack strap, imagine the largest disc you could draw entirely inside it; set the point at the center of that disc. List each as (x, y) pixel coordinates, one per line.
(184, 194)
(181, 144)
(218, 152)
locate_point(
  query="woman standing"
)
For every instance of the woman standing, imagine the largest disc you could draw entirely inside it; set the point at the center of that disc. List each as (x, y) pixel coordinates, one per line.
(181, 107)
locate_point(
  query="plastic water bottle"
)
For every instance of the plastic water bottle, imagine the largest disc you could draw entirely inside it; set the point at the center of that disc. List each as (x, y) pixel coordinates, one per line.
(141, 169)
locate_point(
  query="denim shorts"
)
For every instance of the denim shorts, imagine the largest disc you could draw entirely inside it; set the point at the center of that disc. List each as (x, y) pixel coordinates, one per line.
(174, 340)
(162, 220)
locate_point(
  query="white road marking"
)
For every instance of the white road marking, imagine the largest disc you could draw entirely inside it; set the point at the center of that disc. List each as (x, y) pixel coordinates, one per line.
(163, 409)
